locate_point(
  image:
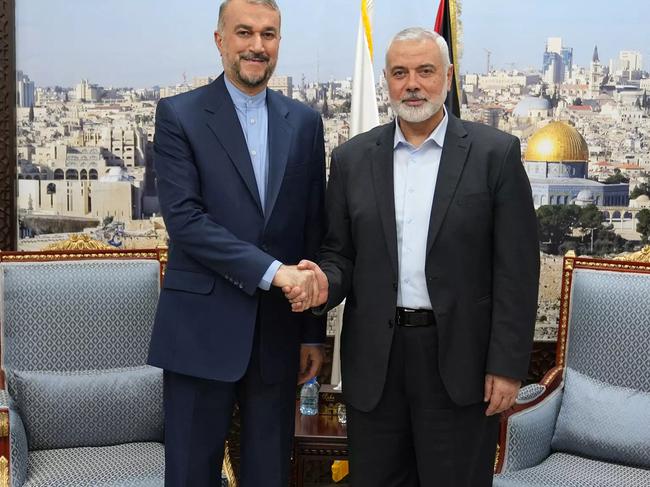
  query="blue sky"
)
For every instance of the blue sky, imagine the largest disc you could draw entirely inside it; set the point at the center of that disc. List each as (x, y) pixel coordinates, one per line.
(146, 42)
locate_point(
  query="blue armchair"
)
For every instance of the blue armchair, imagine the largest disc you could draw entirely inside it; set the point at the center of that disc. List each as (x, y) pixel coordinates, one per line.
(587, 424)
(80, 407)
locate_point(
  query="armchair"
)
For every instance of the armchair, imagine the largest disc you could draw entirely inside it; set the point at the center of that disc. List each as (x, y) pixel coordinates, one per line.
(587, 424)
(78, 405)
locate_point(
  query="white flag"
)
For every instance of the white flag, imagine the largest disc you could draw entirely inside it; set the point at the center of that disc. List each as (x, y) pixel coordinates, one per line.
(364, 114)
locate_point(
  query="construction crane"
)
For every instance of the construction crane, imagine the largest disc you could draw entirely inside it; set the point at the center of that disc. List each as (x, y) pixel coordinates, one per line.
(489, 53)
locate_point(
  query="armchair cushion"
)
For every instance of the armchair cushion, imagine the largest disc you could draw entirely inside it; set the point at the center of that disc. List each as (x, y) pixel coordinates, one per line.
(89, 408)
(603, 421)
(129, 465)
(564, 470)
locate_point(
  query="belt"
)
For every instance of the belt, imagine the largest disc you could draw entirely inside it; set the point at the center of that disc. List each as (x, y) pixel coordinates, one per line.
(414, 317)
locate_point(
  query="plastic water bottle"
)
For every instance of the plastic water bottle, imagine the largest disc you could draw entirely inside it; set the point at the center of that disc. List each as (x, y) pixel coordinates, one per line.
(309, 398)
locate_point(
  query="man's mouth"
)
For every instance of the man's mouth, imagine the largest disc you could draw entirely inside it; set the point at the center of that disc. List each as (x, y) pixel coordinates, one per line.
(256, 59)
(414, 102)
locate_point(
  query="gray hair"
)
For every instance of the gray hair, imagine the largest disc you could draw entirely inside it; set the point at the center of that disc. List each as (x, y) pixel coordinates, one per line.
(222, 9)
(420, 34)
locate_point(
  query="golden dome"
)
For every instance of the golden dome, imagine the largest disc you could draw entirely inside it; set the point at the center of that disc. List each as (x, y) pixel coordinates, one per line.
(557, 142)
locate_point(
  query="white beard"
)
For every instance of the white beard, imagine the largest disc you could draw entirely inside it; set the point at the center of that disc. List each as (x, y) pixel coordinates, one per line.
(414, 114)
(419, 114)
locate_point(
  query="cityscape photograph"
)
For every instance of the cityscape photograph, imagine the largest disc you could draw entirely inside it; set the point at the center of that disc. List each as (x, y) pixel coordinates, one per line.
(570, 81)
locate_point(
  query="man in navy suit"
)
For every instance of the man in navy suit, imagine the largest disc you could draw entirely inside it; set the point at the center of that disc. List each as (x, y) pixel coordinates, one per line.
(241, 180)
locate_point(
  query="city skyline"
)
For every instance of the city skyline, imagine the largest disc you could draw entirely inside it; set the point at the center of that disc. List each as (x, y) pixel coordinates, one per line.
(123, 55)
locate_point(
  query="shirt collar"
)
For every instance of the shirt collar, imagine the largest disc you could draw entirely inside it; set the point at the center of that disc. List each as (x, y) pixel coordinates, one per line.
(438, 134)
(241, 99)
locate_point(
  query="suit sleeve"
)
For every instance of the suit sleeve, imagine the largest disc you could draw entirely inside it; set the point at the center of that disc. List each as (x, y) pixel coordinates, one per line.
(314, 327)
(337, 251)
(189, 226)
(515, 270)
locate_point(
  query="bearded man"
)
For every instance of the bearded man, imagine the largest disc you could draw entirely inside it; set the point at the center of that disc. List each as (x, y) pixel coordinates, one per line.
(241, 182)
(432, 238)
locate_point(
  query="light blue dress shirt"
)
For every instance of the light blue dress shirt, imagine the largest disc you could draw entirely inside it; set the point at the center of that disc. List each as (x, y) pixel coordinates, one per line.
(415, 176)
(253, 115)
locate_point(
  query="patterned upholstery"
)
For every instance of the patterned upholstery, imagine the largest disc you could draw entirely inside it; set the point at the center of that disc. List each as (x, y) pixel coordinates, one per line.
(529, 433)
(529, 393)
(609, 329)
(89, 408)
(64, 325)
(564, 470)
(602, 421)
(608, 340)
(129, 465)
(17, 440)
(77, 315)
(18, 449)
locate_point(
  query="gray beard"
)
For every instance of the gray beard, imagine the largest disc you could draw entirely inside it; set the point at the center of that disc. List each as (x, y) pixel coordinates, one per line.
(254, 82)
(415, 114)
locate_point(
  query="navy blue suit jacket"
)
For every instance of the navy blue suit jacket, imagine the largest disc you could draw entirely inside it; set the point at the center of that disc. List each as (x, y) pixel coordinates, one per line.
(222, 242)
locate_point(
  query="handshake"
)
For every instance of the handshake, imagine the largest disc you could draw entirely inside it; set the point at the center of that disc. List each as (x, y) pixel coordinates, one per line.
(305, 285)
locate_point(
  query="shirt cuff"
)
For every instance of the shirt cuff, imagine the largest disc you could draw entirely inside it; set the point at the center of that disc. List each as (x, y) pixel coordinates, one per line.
(267, 278)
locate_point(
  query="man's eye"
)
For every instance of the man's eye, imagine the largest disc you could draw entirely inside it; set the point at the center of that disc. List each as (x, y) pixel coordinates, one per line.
(269, 35)
(398, 74)
(243, 33)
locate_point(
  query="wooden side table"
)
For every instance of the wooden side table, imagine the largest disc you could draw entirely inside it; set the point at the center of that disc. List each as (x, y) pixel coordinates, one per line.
(319, 437)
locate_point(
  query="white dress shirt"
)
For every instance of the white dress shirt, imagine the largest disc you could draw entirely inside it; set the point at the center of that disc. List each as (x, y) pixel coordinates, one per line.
(415, 175)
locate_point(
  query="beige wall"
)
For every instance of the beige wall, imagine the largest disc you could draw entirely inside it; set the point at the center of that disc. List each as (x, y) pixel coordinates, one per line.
(78, 198)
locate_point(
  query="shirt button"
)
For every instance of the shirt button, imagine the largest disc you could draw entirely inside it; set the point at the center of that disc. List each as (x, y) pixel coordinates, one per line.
(410, 220)
(254, 152)
(253, 121)
(412, 161)
(411, 190)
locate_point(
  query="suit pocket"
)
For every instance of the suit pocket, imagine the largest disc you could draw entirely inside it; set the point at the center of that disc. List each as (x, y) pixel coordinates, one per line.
(191, 282)
(473, 199)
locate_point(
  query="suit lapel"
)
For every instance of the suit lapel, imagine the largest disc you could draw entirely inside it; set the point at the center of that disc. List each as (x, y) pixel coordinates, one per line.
(280, 137)
(225, 125)
(454, 155)
(382, 170)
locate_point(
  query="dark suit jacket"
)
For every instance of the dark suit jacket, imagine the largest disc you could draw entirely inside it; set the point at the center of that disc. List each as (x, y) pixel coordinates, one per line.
(222, 243)
(482, 263)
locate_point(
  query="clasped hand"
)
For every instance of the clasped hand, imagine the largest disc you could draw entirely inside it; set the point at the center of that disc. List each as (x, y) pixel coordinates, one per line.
(304, 285)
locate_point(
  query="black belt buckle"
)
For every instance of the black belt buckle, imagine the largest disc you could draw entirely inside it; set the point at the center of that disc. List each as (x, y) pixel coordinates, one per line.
(414, 317)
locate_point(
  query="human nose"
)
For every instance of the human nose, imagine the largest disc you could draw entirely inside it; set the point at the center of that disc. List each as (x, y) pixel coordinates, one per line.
(256, 43)
(412, 82)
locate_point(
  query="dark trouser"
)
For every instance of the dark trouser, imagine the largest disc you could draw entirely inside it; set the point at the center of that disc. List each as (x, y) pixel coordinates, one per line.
(197, 419)
(416, 436)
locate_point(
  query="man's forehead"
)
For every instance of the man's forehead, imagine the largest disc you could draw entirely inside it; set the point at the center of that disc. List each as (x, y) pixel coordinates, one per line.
(414, 52)
(240, 12)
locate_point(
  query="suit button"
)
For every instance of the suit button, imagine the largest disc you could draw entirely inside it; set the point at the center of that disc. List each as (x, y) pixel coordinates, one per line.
(395, 286)
(391, 323)
(265, 247)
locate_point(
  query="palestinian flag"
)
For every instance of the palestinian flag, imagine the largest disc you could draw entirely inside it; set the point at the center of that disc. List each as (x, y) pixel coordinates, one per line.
(446, 26)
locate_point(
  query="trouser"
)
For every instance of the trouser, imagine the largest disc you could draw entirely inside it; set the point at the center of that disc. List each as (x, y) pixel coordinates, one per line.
(416, 436)
(197, 418)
